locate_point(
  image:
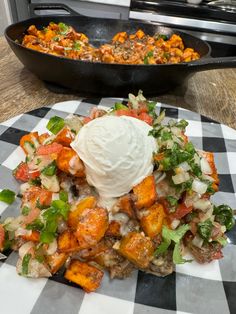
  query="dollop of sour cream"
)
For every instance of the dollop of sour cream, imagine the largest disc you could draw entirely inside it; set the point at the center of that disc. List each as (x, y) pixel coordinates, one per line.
(117, 153)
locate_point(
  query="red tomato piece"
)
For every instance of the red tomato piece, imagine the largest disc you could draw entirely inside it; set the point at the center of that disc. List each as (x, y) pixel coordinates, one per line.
(22, 172)
(87, 120)
(146, 118)
(53, 148)
(181, 211)
(129, 113)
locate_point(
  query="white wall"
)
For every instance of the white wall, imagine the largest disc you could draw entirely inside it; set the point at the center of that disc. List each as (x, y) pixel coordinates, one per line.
(5, 16)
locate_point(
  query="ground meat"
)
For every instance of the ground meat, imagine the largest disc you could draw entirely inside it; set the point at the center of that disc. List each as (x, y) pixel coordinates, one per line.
(121, 270)
(162, 265)
(207, 253)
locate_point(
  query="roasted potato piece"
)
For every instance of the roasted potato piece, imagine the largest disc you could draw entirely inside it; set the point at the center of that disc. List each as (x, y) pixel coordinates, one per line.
(69, 162)
(93, 251)
(152, 222)
(137, 248)
(145, 193)
(67, 242)
(65, 137)
(35, 195)
(73, 217)
(86, 276)
(209, 156)
(29, 142)
(56, 261)
(91, 227)
(113, 229)
(125, 204)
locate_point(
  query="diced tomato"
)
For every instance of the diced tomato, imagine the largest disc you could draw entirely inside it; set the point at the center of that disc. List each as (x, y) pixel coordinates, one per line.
(33, 214)
(53, 148)
(43, 137)
(184, 137)
(22, 172)
(146, 118)
(31, 138)
(217, 255)
(181, 211)
(33, 174)
(35, 193)
(142, 108)
(129, 113)
(65, 137)
(87, 120)
(2, 237)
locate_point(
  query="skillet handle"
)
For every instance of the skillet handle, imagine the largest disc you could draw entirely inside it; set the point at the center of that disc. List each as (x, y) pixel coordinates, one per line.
(50, 6)
(213, 63)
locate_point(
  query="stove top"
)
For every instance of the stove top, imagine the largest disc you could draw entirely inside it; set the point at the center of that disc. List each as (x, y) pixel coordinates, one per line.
(184, 9)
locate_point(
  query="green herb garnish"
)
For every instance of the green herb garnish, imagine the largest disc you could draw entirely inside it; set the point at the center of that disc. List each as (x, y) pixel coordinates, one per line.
(63, 195)
(146, 58)
(224, 215)
(64, 29)
(25, 264)
(25, 211)
(205, 229)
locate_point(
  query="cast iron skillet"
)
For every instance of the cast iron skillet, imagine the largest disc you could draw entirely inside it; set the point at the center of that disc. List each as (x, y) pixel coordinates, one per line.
(103, 78)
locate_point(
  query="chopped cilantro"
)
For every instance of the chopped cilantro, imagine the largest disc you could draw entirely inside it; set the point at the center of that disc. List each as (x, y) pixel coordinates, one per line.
(205, 229)
(25, 264)
(25, 211)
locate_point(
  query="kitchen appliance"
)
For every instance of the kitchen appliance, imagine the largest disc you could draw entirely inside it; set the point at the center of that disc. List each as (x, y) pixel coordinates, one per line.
(105, 78)
(207, 22)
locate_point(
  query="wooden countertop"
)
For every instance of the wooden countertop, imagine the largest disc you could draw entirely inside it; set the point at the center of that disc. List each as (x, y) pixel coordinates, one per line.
(211, 93)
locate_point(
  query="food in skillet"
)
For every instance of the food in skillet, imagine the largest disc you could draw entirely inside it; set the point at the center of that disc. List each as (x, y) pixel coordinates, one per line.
(116, 191)
(139, 48)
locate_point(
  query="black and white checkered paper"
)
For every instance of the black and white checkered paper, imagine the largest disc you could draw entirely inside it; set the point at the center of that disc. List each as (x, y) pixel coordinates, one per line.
(193, 288)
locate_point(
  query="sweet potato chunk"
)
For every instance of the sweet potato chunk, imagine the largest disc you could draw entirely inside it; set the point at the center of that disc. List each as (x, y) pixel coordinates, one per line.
(67, 242)
(56, 261)
(73, 217)
(65, 137)
(145, 192)
(93, 251)
(69, 162)
(137, 248)
(91, 227)
(126, 205)
(113, 229)
(153, 221)
(86, 276)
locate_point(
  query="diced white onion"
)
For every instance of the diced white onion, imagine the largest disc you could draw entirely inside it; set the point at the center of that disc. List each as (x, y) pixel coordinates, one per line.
(184, 166)
(55, 196)
(205, 167)
(50, 183)
(208, 178)
(175, 223)
(52, 248)
(196, 159)
(199, 186)
(202, 204)
(197, 241)
(22, 231)
(24, 187)
(181, 177)
(223, 229)
(24, 249)
(176, 131)
(159, 176)
(177, 140)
